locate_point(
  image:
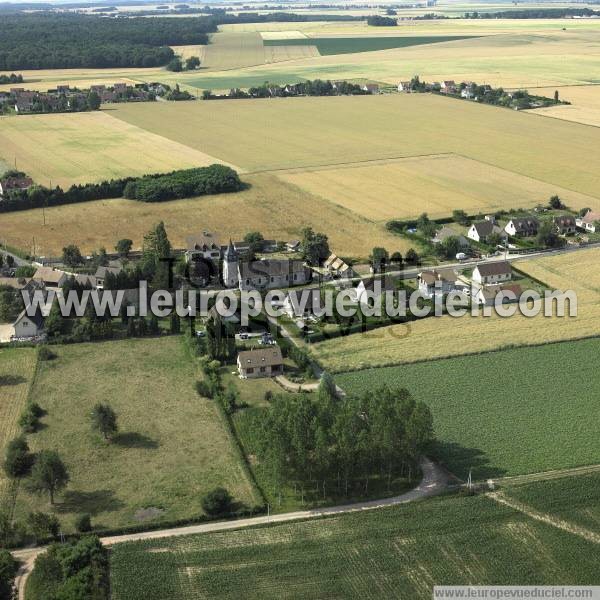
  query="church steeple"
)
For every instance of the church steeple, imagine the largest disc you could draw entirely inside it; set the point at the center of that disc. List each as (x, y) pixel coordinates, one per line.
(231, 254)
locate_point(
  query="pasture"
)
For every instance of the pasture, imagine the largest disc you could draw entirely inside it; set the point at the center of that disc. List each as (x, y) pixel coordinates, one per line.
(277, 209)
(507, 412)
(435, 184)
(17, 370)
(309, 132)
(63, 149)
(437, 337)
(171, 448)
(399, 552)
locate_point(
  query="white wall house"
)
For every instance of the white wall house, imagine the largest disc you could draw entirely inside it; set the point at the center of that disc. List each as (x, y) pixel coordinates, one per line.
(492, 273)
(481, 231)
(27, 327)
(525, 227)
(260, 362)
(432, 283)
(588, 221)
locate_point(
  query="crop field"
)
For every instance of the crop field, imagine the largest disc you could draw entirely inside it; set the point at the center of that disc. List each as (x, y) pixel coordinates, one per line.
(351, 45)
(437, 337)
(505, 413)
(403, 125)
(233, 50)
(277, 209)
(171, 448)
(17, 368)
(584, 108)
(79, 148)
(399, 552)
(434, 184)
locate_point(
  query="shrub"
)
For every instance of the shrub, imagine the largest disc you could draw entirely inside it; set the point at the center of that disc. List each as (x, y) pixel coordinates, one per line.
(28, 421)
(217, 501)
(44, 353)
(8, 570)
(43, 525)
(83, 523)
(204, 389)
(18, 458)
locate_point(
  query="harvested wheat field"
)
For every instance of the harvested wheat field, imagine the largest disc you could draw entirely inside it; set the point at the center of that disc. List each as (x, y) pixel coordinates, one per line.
(437, 184)
(277, 209)
(84, 147)
(584, 107)
(436, 337)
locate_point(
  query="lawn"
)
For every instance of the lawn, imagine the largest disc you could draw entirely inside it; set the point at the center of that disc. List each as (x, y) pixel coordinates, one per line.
(437, 337)
(399, 552)
(17, 369)
(436, 184)
(310, 132)
(278, 209)
(62, 149)
(349, 45)
(171, 448)
(516, 411)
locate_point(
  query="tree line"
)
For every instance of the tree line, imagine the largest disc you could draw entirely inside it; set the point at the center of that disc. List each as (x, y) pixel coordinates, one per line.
(214, 179)
(534, 13)
(51, 41)
(378, 21)
(12, 78)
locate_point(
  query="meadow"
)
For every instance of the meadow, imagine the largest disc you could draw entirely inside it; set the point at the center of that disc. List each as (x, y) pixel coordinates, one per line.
(171, 448)
(436, 184)
(399, 552)
(277, 209)
(63, 149)
(438, 337)
(17, 371)
(505, 413)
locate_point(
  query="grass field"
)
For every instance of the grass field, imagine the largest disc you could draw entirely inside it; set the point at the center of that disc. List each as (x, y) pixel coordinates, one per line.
(505, 413)
(171, 448)
(350, 45)
(84, 147)
(308, 132)
(434, 184)
(277, 209)
(399, 552)
(17, 368)
(437, 337)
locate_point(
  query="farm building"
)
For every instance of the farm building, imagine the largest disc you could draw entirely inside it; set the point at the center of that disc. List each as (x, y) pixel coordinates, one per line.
(260, 362)
(589, 221)
(436, 282)
(338, 267)
(492, 273)
(16, 182)
(524, 227)
(50, 277)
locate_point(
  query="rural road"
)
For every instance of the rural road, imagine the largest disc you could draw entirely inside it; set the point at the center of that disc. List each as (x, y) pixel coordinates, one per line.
(435, 481)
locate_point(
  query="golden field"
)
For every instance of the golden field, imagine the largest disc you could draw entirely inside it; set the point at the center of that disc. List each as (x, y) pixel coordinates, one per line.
(437, 337)
(277, 209)
(584, 108)
(435, 184)
(63, 149)
(286, 133)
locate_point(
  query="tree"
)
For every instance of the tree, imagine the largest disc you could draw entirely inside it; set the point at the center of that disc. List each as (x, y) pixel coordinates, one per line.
(175, 65)
(123, 247)
(255, 240)
(461, 217)
(18, 459)
(412, 258)
(191, 63)
(10, 261)
(314, 247)
(83, 523)
(8, 571)
(396, 259)
(157, 256)
(548, 237)
(556, 203)
(175, 323)
(43, 525)
(426, 226)
(556, 97)
(327, 389)
(583, 212)
(449, 247)
(379, 259)
(49, 474)
(93, 101)
(217, 501)
(104, 420)
(71, 256)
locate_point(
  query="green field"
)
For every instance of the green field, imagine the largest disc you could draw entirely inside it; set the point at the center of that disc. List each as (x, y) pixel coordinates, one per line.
(171, 448)
(516, 411)
(399, 552)
(350, 45)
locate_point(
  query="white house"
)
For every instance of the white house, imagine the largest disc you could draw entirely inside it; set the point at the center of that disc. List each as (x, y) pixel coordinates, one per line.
(204, 245)
(337, 267)
(481, 231)
(492, 273)
(486, 296)
(369, 291)
(435, 282)
(260, 362)
(28, 327)
(404, 86)
(524, 227)
(588, 221)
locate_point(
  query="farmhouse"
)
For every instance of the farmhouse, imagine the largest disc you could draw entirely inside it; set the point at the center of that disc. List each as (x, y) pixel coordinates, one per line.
(204, 245)
(262, 274)
(14, 182)
(492, 273)
(28, 327)
(50, 277)
(524, 227)
(369, 291)
(404, 86)
(564, 224)
(445, 232)
(260, 362)
(486, 296)
(482, 230)
(448, 87)
(372, 88)
(589, 221)
(303, 303)
(436, 282)
(338, 268)
(102, 272)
